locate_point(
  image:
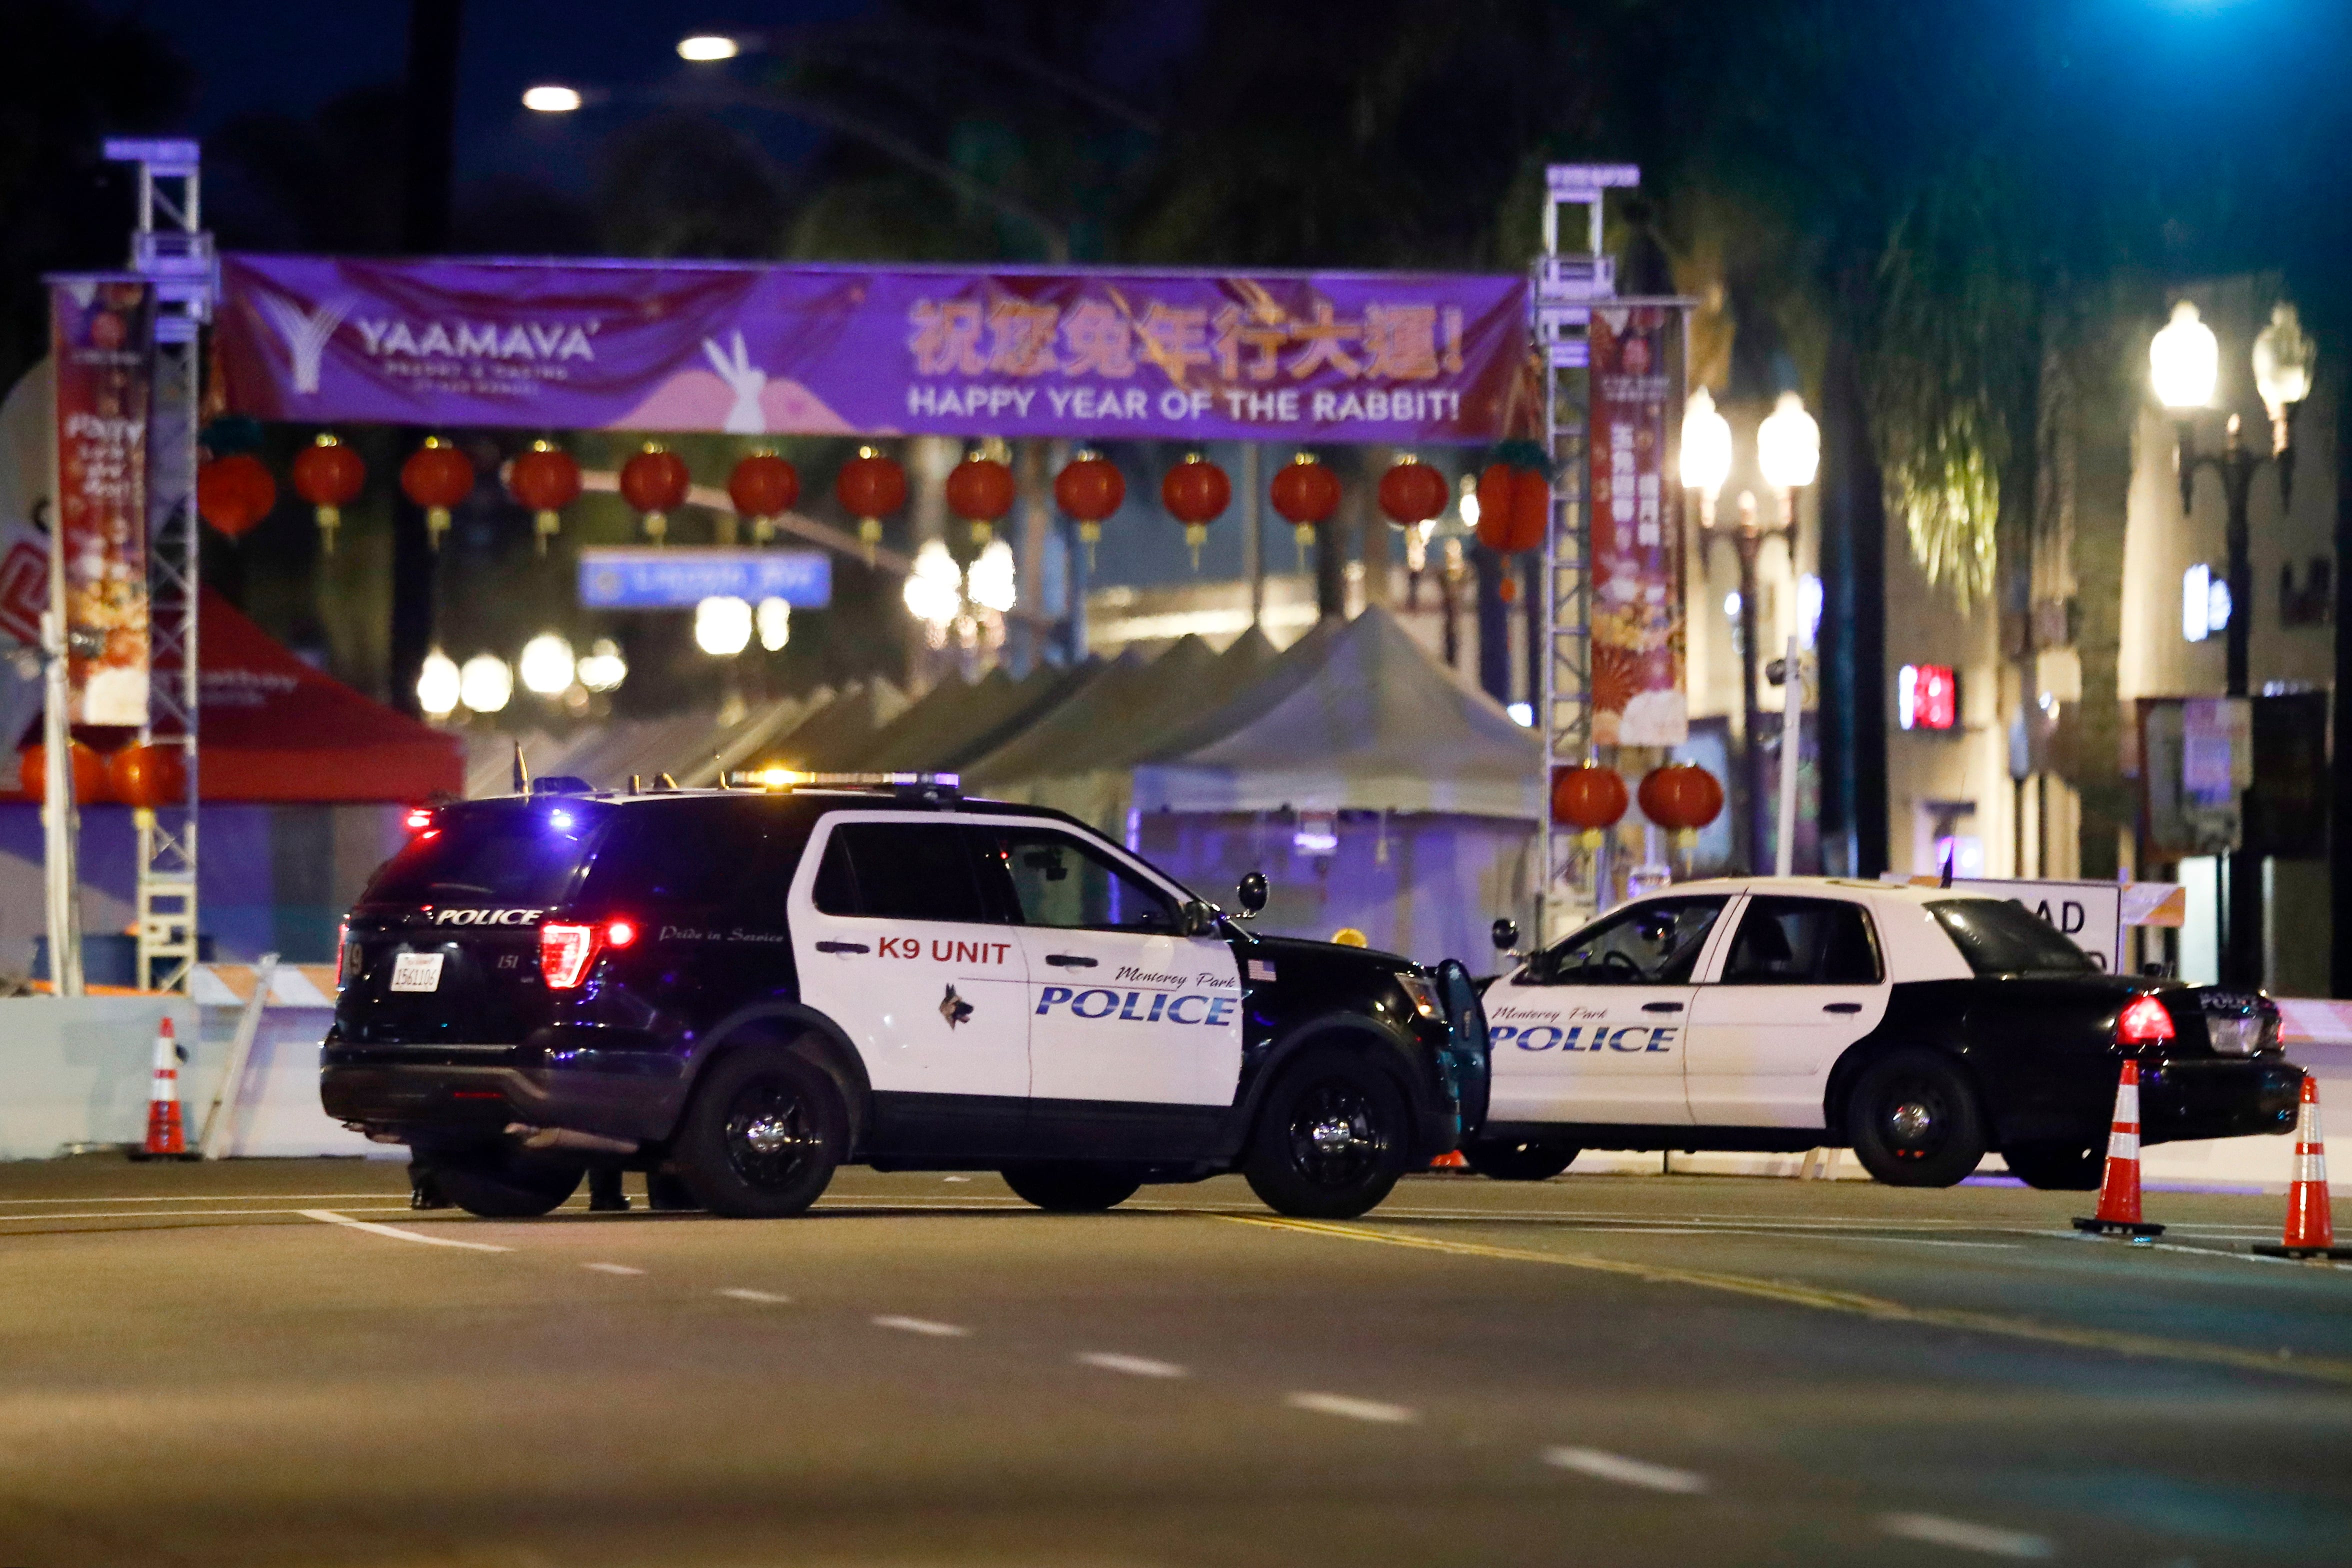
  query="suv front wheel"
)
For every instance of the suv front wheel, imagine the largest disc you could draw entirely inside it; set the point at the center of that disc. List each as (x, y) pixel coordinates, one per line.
(762, 1137)
(1331, 1140)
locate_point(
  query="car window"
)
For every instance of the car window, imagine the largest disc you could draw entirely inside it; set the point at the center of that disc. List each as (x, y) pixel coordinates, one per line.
(1998, 936)
(1656, 942)
(509, 853)
(1059, 881)
(682, 852)
(1802, 942)
(899, 871)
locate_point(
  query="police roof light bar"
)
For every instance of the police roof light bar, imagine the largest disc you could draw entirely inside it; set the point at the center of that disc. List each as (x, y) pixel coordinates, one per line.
(791, 778)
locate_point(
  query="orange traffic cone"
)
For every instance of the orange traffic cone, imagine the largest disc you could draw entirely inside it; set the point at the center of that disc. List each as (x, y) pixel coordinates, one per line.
(2310, 1233)
(167, 1137)
(1451, 1160)
(2119, 1188)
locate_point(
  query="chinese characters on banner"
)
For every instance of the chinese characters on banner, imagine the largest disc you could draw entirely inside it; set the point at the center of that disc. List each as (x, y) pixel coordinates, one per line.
(1402, 358)
(98, 338)
(1637, 537)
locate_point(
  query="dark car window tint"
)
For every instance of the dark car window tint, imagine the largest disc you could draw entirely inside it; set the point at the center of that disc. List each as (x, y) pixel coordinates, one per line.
(682, 852)
(899, 871)
(517, 855)
(1802, 942)
(2000, 937)
(1652, 943)
(1060, 882)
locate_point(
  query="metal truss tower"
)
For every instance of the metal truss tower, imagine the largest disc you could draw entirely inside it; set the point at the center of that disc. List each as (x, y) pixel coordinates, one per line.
(171, 250)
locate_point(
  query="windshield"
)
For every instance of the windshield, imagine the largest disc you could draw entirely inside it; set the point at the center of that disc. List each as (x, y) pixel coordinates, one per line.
(508, 854)
(1998, 937)
(1656, 942)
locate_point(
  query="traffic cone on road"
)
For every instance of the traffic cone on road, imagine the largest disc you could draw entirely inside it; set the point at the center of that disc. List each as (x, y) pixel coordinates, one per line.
(2310, 1233)
(167, 1137)
(2119, 1188)
(1451, 1160)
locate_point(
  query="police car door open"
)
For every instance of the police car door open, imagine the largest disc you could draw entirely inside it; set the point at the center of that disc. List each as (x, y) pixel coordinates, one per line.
(1594, 1029)
(1122, 1005)
(895, 942)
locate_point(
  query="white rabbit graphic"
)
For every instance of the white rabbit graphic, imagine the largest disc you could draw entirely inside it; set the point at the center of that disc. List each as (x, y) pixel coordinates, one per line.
(746, 417)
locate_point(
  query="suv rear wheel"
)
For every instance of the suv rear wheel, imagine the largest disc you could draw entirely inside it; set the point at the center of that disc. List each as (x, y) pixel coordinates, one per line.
(1068, 1187)
(1914, 1121)
(1331, 1140)
(1518, 1161)
(762, 1137)
(505, 1184)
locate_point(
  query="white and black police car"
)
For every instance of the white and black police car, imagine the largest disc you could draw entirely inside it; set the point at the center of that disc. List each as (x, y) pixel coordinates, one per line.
(739, 989)
(1920, 1027)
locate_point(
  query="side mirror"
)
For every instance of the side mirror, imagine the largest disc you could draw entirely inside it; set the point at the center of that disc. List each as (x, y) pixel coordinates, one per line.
(1506, 934)
(1197, 918)
(1251, 894)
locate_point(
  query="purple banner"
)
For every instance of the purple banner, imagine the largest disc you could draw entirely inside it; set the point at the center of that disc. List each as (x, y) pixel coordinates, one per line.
(1398, 358)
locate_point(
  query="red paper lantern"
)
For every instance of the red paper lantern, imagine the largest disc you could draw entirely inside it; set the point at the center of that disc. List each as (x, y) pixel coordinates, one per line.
(763, 487)
(1412, 493)
(869, 486)
(1306, 493)
(89, 781)
(330, 476)
(1681, 796)
(437, 477)
(980, 491)
(233, 493)
(147, 776)
(656, 481)
(1196, 493)
(1514, 506)
(1589, 798)
(1090, 487)
(546, 479)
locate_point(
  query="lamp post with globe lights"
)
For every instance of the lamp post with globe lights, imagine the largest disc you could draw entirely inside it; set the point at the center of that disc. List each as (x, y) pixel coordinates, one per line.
(2184, 362)
(1789, 451)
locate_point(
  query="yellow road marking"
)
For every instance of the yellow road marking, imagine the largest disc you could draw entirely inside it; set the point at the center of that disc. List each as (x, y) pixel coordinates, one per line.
(2315, 1369)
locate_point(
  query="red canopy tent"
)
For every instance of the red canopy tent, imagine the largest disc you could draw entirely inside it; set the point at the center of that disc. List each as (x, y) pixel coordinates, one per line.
(276, 730)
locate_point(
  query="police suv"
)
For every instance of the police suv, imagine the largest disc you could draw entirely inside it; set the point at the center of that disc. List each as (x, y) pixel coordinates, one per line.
(738, 989)
(1919, 1027)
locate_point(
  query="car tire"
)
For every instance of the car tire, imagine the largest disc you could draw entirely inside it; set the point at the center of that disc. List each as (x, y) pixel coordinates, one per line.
(1070, 1186)
(1332, 1138)
(1914, 1120)
(506, 1184)
(2058, 1167)
(763, 1136)
(1503, 1162)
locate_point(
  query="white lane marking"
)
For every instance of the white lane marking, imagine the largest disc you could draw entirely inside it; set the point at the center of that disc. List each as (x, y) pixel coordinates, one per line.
(611, 1268)
(1133, 1365)
(328, 1217)
(1353, 1409)
(178, 1214)
(1991, 1540)
(764, 1298)
(1631, 1472)
(208, 1198)
(922, 1326)
(952, 1179)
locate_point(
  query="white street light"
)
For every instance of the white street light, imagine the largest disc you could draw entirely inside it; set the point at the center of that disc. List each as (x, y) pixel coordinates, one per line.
(990, 580)
(485, 684)
(722, 626)
(709, 46)
(934, 589)
(1707, 444)
(549, 98)
(776, 621)
(2283, 358)
(1789, 445)
(2184, 361)
(546, 665)
(437, 684)
(603, 669)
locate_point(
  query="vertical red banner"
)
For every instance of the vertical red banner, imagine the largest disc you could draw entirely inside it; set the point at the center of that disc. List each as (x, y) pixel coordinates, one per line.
(1637, 536)
(100, 336)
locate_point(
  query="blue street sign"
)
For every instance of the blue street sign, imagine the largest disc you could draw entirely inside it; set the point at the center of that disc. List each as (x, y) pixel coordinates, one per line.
(636, 578)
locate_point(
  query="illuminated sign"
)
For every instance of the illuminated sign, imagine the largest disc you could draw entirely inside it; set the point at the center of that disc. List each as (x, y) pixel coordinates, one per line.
(1927, 697)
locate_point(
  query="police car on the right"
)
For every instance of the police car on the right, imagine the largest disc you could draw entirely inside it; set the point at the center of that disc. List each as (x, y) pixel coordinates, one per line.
(1921, 1026)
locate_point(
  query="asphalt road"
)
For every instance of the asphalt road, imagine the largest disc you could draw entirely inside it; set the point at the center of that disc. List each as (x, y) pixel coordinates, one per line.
(212, 1364)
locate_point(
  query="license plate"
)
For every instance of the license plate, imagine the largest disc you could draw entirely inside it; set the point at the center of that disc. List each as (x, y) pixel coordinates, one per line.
(418, 972)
